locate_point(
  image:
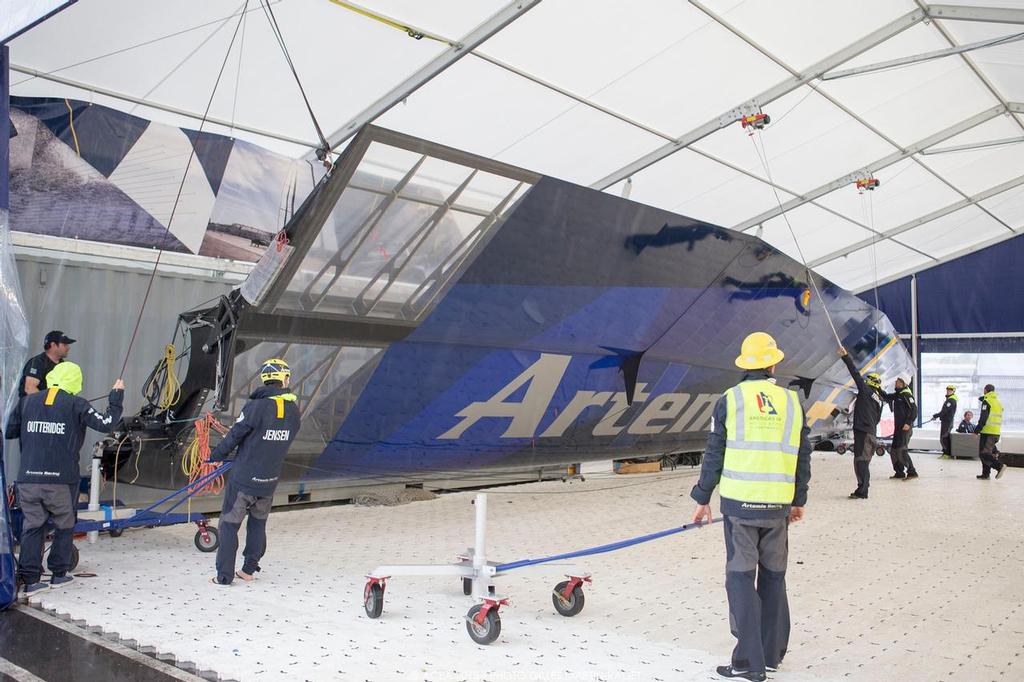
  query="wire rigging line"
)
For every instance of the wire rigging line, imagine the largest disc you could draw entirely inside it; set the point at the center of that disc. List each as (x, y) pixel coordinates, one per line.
(238, 72)
(125, 49)
(325, 147)
(177, 198)
(408, 29)
(762, 154)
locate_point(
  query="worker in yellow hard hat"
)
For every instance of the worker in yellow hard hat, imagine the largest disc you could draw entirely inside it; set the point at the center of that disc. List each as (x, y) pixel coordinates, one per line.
(945, 417)
(759, 457)
(867, 411)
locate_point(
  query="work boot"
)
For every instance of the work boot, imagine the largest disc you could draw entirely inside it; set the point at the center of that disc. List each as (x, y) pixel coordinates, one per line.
(982, 477)
(911, 474)
(729, 671)
(36, 588)
(898, 475)
(858, 496)
(999, 474)
(59, 581)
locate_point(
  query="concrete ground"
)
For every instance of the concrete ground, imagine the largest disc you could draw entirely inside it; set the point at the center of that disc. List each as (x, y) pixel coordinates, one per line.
(923, 581)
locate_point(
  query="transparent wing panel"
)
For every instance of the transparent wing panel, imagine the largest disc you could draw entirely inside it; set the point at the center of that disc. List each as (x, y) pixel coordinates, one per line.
(403, 222)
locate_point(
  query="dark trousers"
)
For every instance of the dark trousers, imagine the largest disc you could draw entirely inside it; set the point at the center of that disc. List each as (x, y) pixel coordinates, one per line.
(900, 453)
(237, 506)
(863, 450)
(944, 440)
(988, 454)
(757, 551)
(41, 502)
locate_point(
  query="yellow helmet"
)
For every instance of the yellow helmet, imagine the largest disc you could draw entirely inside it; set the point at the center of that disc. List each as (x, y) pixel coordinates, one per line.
(758, 352)
(66, 375)
(873, 379)
(275, 369)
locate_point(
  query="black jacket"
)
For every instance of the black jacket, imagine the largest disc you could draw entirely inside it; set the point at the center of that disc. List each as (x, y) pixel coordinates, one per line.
(714, 459)
(867, 410)
(904, 408)
(947, 414)
(52, 435)
(262, 438)
(966, 427)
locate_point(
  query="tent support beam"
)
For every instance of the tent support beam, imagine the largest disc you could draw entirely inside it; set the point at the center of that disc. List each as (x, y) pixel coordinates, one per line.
(917, 222)
(884, 162)
(454, 53)
(157, 105)
(944, 259)
(995, 15)
(789, 85)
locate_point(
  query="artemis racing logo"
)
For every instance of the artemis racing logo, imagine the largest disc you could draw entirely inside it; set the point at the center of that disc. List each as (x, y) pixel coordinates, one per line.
(663, 413)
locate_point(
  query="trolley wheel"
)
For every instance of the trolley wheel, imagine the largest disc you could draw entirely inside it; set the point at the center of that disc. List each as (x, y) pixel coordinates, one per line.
(571, 606)
(486, 633)
(74, 559)
(841, 448)
(115, 532)
(210, 543)
(373, 600)
(467, 586)
(880, 450)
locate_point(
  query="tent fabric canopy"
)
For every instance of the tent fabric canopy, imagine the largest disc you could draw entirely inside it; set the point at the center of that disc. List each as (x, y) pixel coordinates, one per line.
(637, 99)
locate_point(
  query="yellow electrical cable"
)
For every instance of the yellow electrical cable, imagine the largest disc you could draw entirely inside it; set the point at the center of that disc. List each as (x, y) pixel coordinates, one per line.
(411, 31)
(71, 121)
(170, 391)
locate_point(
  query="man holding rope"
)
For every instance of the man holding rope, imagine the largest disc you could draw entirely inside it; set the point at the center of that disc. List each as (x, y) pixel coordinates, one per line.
(759, 456)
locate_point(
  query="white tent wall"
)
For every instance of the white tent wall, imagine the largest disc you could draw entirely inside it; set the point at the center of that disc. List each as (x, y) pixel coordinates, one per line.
(583, 89)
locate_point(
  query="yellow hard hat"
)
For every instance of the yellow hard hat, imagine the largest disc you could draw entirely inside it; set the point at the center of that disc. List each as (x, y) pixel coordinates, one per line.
(758, 352)
(275, 369)
(67, 376)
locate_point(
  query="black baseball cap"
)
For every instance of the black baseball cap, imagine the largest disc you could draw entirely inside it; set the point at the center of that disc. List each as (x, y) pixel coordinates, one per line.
(56, 336)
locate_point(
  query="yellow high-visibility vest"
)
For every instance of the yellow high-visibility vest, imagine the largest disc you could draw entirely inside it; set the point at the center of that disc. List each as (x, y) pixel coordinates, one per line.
(763, 424)
(995, 414)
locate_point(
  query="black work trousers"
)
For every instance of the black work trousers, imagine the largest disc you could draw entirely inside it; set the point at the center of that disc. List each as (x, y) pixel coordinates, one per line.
(237, 506)
(757, 551)
(863, 450)
(988, 454)
(41, 502)
(944, 439)
(900, 453)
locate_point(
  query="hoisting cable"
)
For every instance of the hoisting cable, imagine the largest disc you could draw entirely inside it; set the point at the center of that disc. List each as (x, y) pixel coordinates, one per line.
(177, 198)
(763, 155)
(323, 153)
(601, 549)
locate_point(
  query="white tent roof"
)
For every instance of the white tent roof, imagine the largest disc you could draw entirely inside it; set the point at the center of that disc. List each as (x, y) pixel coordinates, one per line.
(598, 91)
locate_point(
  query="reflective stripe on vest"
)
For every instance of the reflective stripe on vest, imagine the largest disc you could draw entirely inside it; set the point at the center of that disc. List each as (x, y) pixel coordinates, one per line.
(51, 395)
(763, 424)
(995, 415)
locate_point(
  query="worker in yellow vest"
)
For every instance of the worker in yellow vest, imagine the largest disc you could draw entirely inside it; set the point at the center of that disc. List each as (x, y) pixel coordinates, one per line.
(989, 424)
(759, 457)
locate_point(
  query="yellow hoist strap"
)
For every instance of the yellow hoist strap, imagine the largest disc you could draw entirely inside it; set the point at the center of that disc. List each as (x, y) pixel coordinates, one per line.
(411, 31)
(51, 395)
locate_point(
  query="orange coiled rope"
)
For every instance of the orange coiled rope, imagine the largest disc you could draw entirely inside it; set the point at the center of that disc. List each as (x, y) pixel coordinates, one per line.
(196, 461)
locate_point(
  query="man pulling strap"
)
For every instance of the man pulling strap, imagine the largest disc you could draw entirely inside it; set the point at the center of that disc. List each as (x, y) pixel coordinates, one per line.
(263, 432)
(867, 411)
(759, 456)
(945, 417)
(51, 426)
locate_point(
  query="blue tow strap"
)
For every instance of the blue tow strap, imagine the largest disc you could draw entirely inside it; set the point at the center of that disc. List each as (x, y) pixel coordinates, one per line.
(600, 549)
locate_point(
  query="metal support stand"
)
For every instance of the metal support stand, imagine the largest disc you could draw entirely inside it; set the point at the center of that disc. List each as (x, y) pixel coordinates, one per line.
(94, 491)
(478, 574)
